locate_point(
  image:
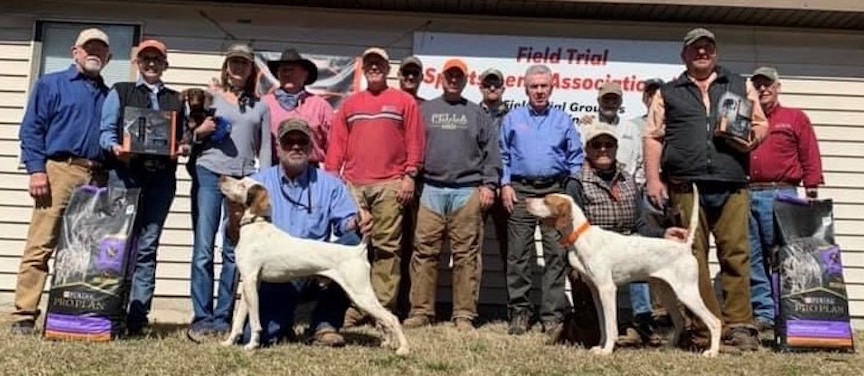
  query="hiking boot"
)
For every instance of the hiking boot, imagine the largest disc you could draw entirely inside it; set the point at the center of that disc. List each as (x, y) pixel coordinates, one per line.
(554, 331)
(630, 338)
(694, 342)
(328, 338)
(23, 328)
(463, 325)
(416, 321)
(743, 338)
(354, 318)
(518, 324)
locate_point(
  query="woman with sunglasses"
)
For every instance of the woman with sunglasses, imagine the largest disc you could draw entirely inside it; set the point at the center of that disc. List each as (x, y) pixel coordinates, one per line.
(611, 199)
(228, 146)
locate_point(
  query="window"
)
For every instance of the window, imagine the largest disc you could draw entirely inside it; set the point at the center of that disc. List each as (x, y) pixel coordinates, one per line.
(57, 39)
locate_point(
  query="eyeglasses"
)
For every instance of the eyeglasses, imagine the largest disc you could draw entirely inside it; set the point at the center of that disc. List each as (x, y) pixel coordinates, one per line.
(602, 145)
(151, 59)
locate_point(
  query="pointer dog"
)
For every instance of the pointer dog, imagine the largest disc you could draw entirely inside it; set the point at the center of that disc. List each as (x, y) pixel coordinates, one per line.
(607, 259)
(267, 254)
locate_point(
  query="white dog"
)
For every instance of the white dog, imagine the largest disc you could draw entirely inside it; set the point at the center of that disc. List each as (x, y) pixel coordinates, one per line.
(607, 259)
(266, 254)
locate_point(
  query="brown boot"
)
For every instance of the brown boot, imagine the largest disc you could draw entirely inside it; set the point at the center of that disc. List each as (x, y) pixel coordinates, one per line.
(416, 321)
(463, 325)
(328, 338)
(354, 318)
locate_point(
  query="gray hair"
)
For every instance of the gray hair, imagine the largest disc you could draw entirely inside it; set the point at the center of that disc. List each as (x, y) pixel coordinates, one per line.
(538, 69)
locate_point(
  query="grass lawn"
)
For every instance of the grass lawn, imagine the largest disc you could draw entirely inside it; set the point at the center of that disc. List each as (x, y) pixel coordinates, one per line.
(439, 350)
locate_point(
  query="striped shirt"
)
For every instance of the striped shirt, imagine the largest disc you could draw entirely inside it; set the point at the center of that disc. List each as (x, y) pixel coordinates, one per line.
(376, 137)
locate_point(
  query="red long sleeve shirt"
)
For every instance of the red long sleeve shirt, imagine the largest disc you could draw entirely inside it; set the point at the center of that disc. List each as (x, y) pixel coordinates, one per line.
(376, 137)
(790, 153)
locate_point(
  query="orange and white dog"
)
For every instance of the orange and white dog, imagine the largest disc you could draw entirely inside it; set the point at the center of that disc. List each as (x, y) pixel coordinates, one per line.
(607, 259)
(266, 254)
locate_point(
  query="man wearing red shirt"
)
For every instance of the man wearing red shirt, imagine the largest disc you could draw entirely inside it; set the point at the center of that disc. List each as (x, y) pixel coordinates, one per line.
(377, 145)
(788, 157)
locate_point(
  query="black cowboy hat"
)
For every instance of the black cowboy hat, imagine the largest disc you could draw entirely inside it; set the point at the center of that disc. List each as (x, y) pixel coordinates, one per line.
(292, 56)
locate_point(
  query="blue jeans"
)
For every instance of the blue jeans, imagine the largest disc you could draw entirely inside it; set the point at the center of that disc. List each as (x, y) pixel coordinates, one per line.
(208, 215)
(278, 301)
(640, 298)
(445, 201)
(761, 242)
(157, 193)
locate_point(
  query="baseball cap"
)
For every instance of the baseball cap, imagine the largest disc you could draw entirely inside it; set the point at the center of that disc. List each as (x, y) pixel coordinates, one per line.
(240, 50)
(376, 51)
(153, 44)
(94, 33)
(491, 72)
(610, 87)
(455, 63)
(294, 124)
(599, 129)
(696, 34)
(768, 72)
(411, 60)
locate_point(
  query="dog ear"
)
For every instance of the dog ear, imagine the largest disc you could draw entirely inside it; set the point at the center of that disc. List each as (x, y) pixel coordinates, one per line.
(258, 200)
(563, 214)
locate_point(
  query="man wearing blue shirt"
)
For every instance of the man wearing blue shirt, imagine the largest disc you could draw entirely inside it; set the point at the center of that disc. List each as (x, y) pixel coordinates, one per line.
(540, 151)
(307, 203)
(60, 149)
(155, 176)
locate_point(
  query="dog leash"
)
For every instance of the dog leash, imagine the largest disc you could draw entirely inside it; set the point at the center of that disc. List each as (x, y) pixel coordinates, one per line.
(574, 236)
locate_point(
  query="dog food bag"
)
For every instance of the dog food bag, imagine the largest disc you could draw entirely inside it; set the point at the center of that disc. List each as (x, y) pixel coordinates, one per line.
(813, 307)
(93, 266)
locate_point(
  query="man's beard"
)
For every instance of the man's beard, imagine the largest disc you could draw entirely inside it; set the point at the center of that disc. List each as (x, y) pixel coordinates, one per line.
(294, 164)
(92, 65)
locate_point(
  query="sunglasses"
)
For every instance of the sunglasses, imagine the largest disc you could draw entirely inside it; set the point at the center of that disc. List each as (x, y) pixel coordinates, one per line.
(410, 72)
(289, 142)
(602, 145)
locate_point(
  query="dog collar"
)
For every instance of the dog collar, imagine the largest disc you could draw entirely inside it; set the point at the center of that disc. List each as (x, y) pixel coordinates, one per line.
(257, 218)
(574, 236)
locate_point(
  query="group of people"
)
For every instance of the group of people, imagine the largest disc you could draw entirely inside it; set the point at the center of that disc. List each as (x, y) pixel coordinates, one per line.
(410, 173)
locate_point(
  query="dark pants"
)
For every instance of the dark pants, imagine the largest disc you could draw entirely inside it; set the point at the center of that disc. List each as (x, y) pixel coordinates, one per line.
(158, 187)
(521, 258)
(278, 301)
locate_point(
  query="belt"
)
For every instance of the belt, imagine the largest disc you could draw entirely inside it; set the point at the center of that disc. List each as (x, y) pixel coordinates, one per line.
(538, 182)
(764, 186)
(80, 162)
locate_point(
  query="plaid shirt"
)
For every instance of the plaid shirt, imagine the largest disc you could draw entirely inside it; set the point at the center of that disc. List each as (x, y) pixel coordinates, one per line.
(610, 206)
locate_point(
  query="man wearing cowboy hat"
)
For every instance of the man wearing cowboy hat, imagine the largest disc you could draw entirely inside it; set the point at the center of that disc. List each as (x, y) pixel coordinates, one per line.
(291, 100)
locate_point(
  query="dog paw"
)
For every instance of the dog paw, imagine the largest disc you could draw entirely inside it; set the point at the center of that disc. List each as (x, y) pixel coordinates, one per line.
(227, 343)
(597, 350)
(710, 353)
(250, 346)
(402, 351)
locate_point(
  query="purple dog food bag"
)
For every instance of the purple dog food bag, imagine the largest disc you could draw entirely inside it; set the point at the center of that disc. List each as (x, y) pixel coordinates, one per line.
(90, 286)
(812, 305)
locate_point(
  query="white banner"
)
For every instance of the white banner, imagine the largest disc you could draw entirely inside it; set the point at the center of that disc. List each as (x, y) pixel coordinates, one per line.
(579, 66)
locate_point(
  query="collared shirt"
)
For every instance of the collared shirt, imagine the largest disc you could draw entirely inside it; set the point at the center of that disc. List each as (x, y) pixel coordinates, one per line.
(313, 206)
(314, 109)
(111, 113)
(629, 145)
(62, 119)
(539, 145)
(790, 153)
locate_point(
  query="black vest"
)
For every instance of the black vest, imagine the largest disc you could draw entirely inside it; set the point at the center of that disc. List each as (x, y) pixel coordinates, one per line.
(133, 95)
(690, 152)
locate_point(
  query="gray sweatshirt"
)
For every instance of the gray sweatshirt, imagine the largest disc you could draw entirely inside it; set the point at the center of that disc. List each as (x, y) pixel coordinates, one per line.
(461, 145)
(249, 139)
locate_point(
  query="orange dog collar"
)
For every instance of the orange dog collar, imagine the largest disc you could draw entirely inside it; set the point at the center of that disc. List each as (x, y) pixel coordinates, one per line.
(574, 236)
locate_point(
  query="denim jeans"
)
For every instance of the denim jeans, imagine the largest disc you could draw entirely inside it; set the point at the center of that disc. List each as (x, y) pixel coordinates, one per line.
(761, 242)
(208, 209)
(640, 298)
(278, 301)
(157, 193)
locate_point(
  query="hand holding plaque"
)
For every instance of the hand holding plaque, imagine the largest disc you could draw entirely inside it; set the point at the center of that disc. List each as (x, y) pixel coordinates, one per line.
(734, 122)
(149, 132)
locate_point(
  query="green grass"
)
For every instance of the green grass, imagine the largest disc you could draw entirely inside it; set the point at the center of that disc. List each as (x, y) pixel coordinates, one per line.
(439, 350)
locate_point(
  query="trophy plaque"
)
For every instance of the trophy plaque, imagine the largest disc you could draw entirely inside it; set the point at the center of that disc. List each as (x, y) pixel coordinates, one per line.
(149, 132)
(734, 118)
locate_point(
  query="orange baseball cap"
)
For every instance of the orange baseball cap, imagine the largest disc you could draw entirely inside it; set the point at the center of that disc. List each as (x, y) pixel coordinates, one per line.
(455, 63)
(153, 44)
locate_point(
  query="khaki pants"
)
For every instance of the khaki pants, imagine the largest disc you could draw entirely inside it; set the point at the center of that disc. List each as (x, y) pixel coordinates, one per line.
(724, 212)
(44, 232)
(464, 228)
(380, 200)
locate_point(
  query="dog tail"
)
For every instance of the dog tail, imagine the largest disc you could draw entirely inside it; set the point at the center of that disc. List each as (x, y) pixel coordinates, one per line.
(694, 217)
